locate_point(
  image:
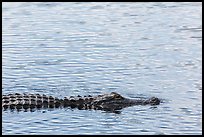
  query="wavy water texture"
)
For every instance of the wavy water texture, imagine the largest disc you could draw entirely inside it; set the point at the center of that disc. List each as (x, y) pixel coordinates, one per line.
(135, 49)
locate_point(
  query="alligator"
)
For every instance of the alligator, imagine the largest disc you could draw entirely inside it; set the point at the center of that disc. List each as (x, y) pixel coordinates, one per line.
(107, 102)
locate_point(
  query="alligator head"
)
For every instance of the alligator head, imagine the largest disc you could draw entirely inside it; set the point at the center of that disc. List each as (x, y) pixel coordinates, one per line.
(115, 101)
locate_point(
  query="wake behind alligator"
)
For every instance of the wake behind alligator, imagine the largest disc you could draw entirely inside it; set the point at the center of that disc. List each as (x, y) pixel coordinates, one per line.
(107, 102)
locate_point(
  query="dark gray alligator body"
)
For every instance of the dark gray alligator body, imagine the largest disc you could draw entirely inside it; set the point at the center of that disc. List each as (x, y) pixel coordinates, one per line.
(107, 102)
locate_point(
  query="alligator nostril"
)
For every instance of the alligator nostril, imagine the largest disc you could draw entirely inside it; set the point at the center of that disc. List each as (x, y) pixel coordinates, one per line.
(154, 101)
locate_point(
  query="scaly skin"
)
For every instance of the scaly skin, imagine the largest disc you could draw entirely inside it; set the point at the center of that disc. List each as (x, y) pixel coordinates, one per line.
(107, 102)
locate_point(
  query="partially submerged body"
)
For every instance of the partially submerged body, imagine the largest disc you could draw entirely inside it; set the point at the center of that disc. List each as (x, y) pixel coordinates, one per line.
(107, 102)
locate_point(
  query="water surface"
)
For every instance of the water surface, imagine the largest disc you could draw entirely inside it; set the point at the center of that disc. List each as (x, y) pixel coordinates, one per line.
(135, 49)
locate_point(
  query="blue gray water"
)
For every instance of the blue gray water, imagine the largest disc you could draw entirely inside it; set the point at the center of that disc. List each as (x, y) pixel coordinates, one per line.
(135, 49)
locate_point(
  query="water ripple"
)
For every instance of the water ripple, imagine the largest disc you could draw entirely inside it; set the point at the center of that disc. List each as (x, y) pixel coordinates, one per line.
(137, 49)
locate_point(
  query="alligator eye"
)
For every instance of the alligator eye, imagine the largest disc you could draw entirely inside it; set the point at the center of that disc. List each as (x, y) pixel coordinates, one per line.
(117, 97)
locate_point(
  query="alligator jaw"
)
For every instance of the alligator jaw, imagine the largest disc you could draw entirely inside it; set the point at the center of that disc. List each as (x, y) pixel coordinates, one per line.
(150, 101)
(125, 102)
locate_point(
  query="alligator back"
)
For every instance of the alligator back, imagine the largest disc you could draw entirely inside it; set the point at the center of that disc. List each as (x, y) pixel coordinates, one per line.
(31, 101)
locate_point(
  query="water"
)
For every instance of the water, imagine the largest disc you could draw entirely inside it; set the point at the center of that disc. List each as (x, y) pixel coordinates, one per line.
(135, 49)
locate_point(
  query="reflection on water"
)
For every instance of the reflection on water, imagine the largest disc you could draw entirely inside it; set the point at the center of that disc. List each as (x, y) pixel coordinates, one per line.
(136, 49)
